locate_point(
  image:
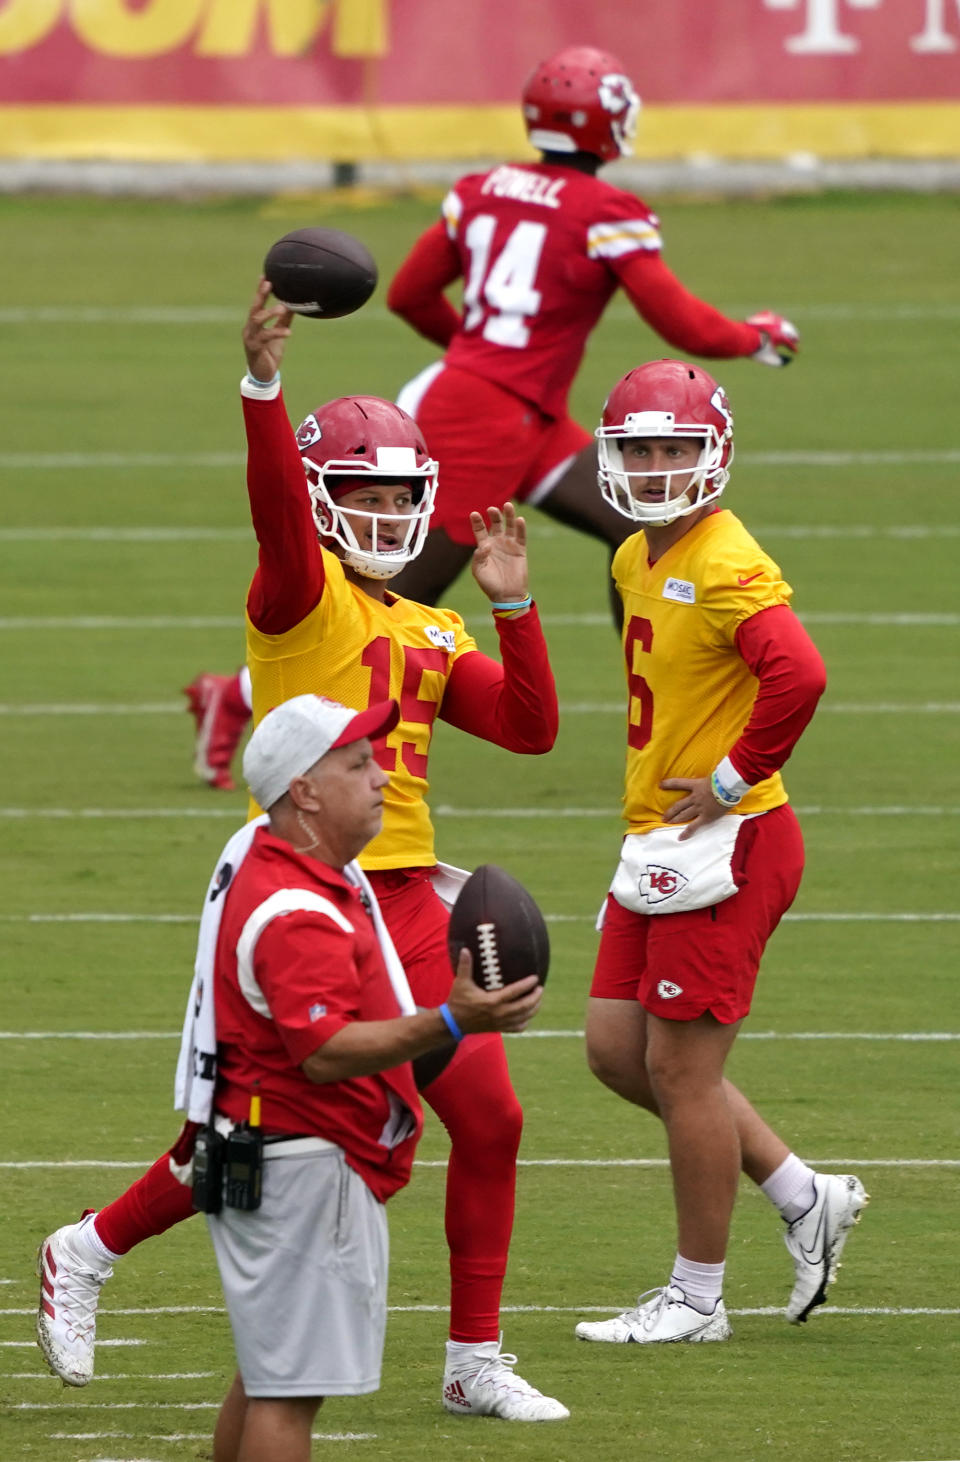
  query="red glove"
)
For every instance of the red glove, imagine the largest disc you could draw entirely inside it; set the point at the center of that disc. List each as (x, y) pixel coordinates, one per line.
(780, 340)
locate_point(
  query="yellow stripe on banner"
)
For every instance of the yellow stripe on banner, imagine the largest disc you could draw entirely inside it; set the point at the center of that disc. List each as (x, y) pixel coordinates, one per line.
(220, 134)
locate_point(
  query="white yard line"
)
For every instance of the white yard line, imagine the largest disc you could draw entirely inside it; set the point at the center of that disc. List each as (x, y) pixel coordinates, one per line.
(178, 461)
(771, 1311)
(186, 534)
(234, 812)
(119, 1376)
(32, 1344)
(561, 1035)
(950, 917)
(129, 535)
(140, 622)
(525, 1163)
(124, 621)
(567, 708)
(880, 312)
(184, 1437)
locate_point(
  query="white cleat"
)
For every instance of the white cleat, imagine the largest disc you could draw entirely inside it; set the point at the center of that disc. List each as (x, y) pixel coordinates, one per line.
(67, 1318)
(661, 1316)
(816, 1239)
(486, 1385)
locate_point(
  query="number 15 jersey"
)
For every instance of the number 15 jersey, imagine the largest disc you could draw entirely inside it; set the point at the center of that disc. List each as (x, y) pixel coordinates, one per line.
(357, 650)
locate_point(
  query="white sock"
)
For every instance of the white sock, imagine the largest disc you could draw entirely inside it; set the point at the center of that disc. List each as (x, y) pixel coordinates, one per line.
(701, 1283)
(790, 1188)
(89, 1244)
(246, 686)
(461, 1352)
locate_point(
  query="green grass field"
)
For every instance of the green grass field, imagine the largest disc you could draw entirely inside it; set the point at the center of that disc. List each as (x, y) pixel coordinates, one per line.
(125, 554)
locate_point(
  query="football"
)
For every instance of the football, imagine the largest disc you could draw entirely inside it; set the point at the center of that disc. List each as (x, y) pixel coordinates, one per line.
(320, 272)
(502, 926)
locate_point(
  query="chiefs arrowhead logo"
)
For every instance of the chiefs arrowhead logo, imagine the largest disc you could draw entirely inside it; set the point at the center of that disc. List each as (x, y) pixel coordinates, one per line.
(667, 990)
(308, 432)
(659, 883)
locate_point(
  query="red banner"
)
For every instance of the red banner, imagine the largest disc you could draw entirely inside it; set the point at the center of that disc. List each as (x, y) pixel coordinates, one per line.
(387, 54)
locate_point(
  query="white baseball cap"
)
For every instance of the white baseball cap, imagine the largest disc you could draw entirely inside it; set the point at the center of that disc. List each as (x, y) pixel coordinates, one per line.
(296, 734)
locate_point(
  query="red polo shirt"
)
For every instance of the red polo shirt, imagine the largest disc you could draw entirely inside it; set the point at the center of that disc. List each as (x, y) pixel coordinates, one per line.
(310, 972)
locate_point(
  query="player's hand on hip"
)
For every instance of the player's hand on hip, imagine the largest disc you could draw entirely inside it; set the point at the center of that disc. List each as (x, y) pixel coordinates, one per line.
(500, 557)
(697, 806)
(265, 334)
(509, 1009)
(779, 339)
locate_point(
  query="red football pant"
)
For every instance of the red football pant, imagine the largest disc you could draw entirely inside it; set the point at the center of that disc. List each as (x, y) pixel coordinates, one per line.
(475, 1101)
(492, 447)
(473, 1097)
(152, 1204)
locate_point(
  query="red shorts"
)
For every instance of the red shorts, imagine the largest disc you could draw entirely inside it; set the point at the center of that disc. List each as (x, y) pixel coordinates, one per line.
(491, 445)
(680, 965)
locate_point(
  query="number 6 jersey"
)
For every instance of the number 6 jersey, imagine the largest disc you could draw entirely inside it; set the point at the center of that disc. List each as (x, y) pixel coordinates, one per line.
(691, 689)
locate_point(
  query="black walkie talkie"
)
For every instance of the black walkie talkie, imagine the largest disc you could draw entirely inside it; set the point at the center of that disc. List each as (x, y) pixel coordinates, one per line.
(208, 1170)
(243, 1161)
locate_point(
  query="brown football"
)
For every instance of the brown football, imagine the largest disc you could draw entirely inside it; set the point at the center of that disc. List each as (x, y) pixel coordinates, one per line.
(502, 926)
(321, 272)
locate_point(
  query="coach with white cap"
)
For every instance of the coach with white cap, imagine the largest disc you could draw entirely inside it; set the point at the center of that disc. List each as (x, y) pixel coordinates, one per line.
(315, 1030)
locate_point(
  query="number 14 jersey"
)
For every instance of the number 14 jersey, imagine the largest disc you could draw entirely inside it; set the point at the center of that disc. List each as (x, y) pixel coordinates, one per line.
(540, 248)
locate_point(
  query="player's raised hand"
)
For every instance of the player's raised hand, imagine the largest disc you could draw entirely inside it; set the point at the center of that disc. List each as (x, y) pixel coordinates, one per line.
(780, 339)
(500, 557)
(265, 334)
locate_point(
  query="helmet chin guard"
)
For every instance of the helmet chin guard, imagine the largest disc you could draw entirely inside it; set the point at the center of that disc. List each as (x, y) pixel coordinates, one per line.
(336, 524)
(665, 399)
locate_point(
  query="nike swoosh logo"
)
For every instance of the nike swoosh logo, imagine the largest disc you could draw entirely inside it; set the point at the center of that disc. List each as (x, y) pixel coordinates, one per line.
(742, 581)
(816, 1253)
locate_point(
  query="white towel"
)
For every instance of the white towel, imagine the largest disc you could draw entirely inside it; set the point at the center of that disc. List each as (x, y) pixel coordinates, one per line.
(660, 874)
(197, 1064)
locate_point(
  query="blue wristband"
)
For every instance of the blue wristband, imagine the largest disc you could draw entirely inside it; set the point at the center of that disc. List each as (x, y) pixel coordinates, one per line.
(450, 1023)
(263, 384)
(514, 604)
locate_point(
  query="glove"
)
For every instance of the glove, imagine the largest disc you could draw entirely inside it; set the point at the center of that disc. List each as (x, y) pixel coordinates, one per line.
(780, 339)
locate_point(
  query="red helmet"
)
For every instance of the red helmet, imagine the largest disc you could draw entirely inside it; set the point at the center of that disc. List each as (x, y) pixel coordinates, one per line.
(581, 100)
(667, 398)
(364, 437)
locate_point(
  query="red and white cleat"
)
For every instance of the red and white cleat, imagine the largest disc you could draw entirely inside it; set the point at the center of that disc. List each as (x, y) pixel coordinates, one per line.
(67, 1318)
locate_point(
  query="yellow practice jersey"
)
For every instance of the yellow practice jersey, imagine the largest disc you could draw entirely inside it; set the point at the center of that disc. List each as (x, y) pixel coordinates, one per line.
(690, 693)
(358, 651)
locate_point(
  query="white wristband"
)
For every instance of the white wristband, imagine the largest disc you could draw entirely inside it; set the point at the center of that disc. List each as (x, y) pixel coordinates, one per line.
(727, 785)
(260, 390)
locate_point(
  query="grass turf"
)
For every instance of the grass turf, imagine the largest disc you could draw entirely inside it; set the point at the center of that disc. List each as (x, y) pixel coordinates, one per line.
(123, 333)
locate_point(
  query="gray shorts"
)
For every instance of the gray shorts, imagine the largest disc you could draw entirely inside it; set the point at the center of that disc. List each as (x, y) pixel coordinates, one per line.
(305, 1276)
